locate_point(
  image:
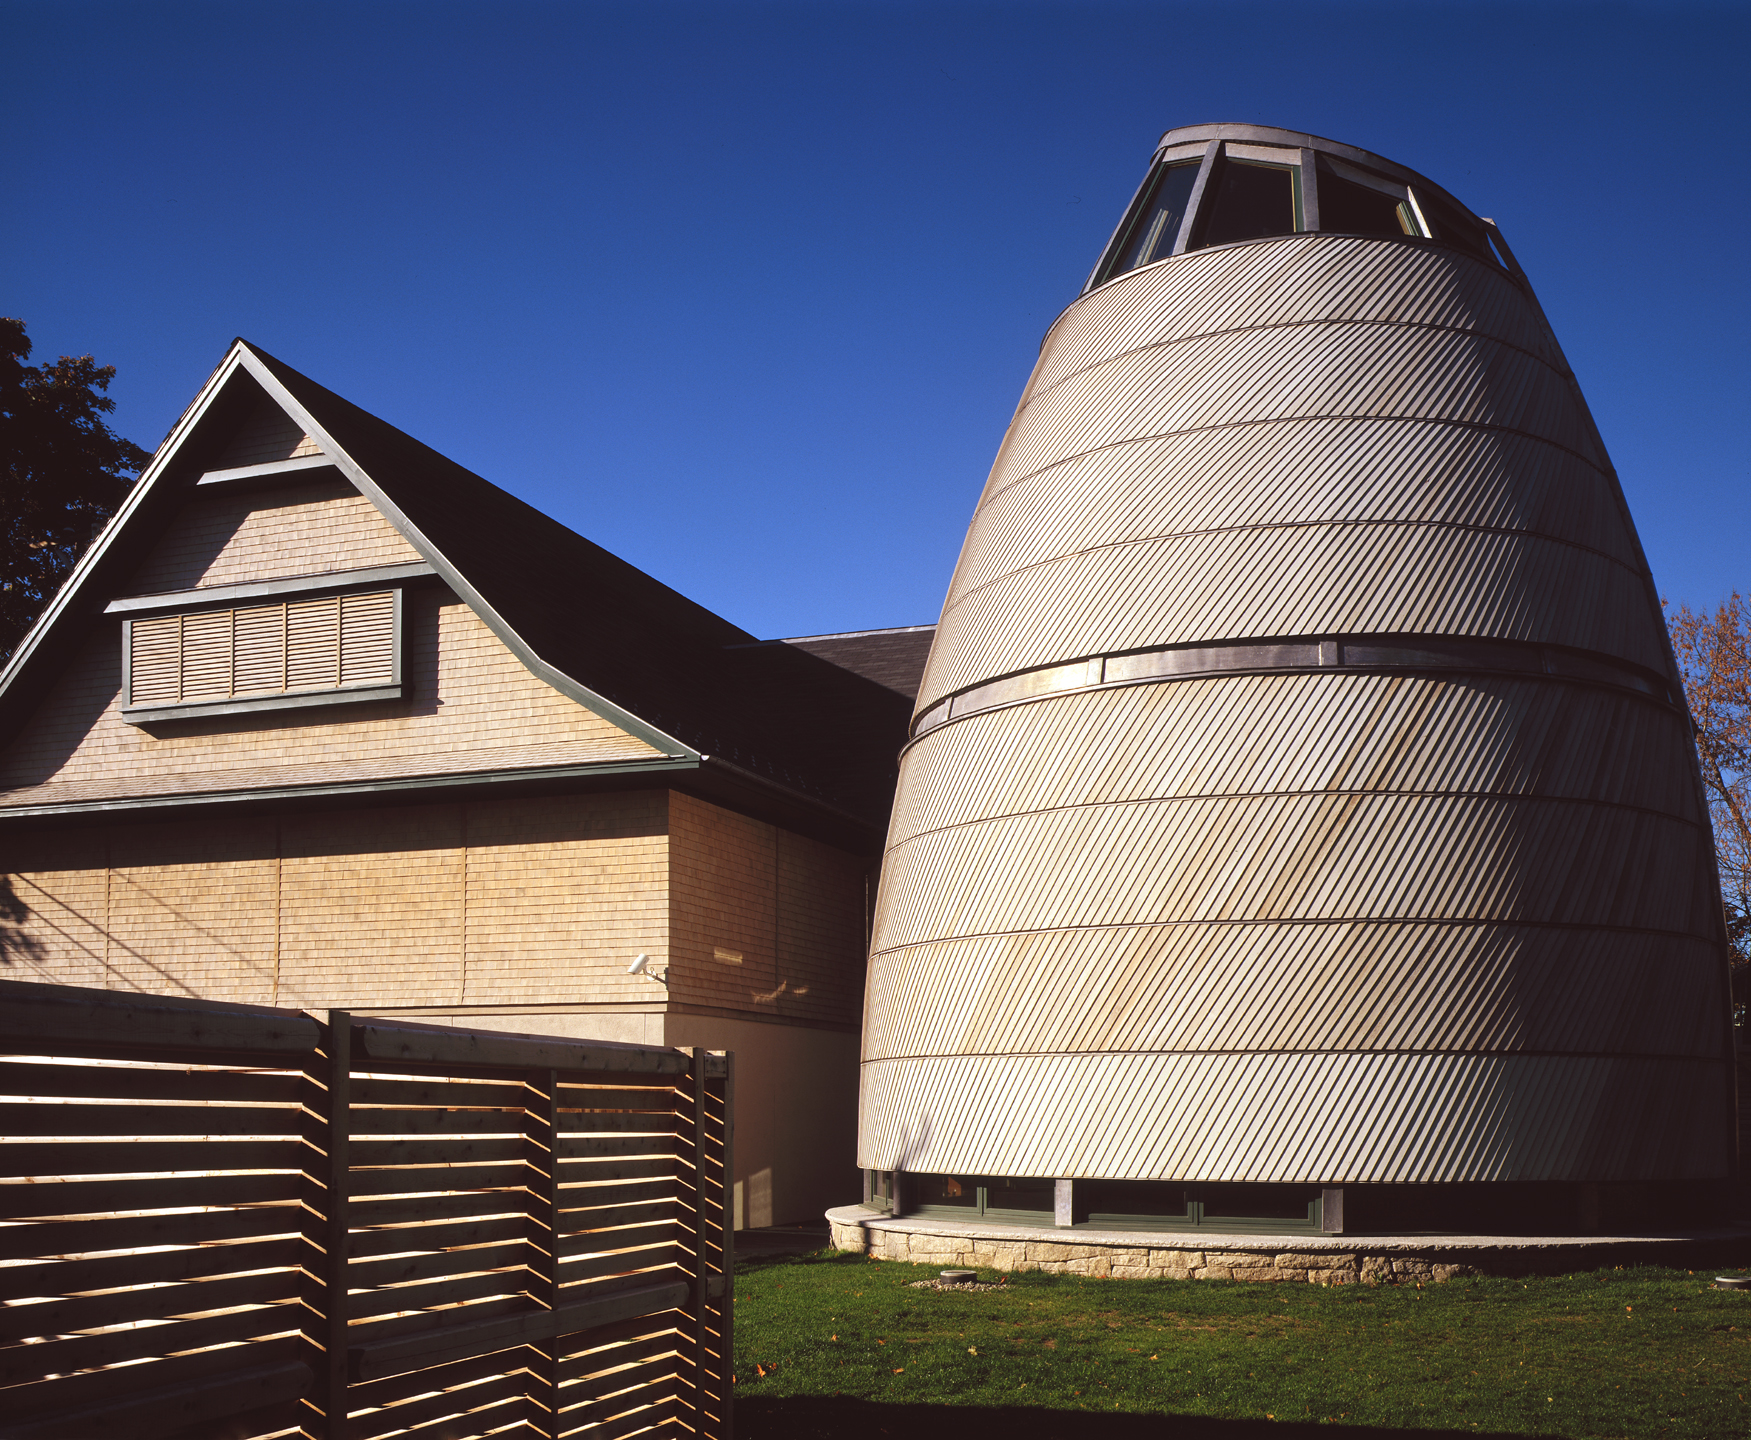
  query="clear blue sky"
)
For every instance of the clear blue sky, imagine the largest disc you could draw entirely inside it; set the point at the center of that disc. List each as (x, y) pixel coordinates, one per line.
(747, 293)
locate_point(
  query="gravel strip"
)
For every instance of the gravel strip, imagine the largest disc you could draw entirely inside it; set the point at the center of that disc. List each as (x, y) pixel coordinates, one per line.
(944, 1285)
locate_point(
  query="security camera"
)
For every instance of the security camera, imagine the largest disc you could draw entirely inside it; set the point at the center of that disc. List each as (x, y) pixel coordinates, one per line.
(641, 966)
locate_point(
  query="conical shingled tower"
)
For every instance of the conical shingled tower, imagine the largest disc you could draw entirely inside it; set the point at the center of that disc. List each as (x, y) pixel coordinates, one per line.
(1301, 793)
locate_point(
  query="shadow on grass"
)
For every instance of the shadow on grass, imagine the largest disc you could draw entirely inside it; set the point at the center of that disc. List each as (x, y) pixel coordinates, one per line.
(812, 1417)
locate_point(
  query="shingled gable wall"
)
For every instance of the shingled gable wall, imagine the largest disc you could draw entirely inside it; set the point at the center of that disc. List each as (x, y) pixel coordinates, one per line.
(518, 913)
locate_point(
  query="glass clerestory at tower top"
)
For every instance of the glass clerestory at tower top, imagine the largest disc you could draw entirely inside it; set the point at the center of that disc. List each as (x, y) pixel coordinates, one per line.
(1216, 185)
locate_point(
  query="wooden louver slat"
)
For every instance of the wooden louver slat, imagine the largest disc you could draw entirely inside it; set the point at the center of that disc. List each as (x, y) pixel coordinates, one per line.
(156, 663)
(313, 644)
(328, 643)
(366, 635)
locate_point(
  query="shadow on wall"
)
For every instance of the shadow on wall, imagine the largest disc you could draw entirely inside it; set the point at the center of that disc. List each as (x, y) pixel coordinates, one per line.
(16, 947)
(797, 1417)
(754, 1201)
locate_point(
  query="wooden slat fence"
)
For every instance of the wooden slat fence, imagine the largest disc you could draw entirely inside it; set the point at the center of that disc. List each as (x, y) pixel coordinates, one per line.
(525, 1236)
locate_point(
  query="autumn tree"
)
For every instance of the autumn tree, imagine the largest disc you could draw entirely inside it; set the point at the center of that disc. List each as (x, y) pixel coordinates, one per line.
(1714, 657)
(63, 471)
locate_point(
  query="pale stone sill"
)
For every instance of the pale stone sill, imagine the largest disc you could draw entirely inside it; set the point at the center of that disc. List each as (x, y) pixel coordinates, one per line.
(1210, 1255)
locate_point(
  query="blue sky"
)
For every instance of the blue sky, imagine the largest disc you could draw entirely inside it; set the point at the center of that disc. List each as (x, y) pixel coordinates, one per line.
(747, 293)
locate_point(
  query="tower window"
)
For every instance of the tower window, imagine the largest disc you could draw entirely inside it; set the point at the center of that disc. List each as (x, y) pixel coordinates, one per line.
(1156, 221)
(1252, 200)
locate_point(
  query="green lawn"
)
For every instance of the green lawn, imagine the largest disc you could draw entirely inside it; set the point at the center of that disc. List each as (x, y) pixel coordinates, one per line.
(836, 1345)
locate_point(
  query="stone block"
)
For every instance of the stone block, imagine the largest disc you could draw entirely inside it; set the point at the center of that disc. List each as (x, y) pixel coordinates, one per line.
(1213, 1272)
(949, 1245)
(1177, 1259)
(1237, 1257)
(1046, 1250)
(998, 1257)
(1096, 1267)
(1317, 1261)
(891, 1245)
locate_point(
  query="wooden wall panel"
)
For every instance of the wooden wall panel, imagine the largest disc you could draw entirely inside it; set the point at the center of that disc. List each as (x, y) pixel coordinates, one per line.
(53, 907)
(723, 897)
(820, 928)
(562, 894)
(186, 890)
(268, 433)
(303, 529)
(372, 900)
(790, 907)
(539, 901)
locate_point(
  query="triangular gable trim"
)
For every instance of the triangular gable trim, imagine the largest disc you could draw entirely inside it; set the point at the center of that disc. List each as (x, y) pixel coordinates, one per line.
(241, 356)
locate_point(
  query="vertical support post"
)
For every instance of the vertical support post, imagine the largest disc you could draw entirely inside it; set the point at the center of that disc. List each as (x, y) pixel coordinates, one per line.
(715, 1078)
(1063, 1202)
(703, 1369)
(1331, 1209)
(1195, 205)
(337, 1227)
(1309, 171)
(541, 1155)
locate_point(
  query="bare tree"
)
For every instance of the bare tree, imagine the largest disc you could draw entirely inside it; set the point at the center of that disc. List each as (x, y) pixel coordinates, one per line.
(1714, 656)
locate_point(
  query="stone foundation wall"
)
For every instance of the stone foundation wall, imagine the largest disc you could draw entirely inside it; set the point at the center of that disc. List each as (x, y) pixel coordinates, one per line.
(1141, 1262)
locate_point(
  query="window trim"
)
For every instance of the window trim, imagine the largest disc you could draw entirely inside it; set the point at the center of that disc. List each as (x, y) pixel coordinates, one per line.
(393, 578)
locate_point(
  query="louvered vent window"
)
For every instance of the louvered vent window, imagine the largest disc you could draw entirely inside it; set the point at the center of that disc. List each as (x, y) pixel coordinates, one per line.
(334, 642)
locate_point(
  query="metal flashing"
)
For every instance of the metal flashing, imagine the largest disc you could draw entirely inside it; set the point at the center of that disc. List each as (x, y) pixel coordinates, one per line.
(372, 577)
(149, 715)
(334, 790)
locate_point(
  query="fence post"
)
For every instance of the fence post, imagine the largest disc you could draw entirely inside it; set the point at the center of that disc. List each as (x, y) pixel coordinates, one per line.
(336, 1230)
(541, 1154)
(701, 1352)
(717, 1172)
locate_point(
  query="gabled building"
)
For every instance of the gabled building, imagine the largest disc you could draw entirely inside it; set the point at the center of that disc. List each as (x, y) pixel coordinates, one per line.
(325, 720)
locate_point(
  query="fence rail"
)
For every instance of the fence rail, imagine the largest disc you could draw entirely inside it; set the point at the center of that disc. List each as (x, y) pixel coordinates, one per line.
(224, 1220)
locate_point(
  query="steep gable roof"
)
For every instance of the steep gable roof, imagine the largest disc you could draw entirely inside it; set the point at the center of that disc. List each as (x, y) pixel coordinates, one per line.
(586, 622)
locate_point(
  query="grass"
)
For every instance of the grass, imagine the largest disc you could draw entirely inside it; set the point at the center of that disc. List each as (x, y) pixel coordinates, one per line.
(833, 1344)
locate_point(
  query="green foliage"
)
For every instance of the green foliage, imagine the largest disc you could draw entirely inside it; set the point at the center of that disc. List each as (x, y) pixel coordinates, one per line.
(63, 471)
(848, 1348)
